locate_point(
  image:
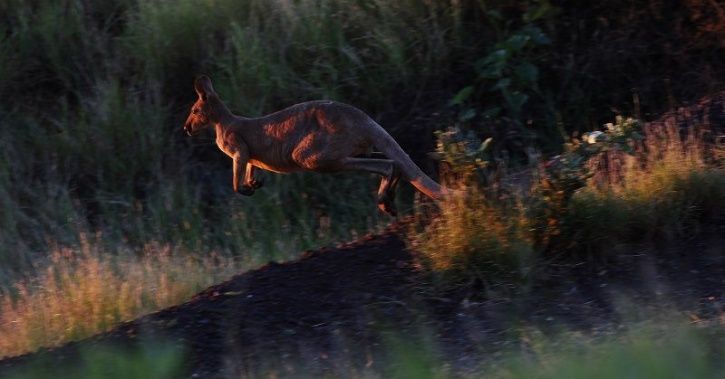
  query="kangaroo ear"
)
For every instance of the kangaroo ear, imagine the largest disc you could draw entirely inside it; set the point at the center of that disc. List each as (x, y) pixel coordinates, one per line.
(203, 86)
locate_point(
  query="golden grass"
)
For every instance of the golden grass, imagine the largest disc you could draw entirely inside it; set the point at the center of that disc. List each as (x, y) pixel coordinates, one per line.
(670, 184)
(473, 235)
(662, 155)
(86, 290)
(670, 187)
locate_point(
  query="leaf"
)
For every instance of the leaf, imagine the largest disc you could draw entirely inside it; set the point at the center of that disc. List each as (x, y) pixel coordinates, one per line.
(537, 36)
(527, 72)
(493, 64)
(494, 14)
(485, 144)
(467, 114)
(462, 95)
(516, 42)
(491, 112)
(515, 100)
(502, 84)
(534, 13)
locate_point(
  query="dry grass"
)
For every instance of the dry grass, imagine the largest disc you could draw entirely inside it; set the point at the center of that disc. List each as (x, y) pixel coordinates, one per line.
(86, 290)
(474, 237)
(668, 187)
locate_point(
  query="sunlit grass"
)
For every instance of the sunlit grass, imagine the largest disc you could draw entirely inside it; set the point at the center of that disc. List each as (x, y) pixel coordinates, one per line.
(86, 290)
(668, 187)
(474, 237)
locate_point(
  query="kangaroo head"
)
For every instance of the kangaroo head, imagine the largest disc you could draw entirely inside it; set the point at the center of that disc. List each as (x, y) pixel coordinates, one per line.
(208, 108)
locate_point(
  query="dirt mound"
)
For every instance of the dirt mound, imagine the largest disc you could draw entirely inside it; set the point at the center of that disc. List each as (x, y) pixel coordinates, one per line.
(314, 308)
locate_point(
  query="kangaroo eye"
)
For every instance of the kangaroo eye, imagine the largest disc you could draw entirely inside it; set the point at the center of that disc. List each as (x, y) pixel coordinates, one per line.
(195, 111)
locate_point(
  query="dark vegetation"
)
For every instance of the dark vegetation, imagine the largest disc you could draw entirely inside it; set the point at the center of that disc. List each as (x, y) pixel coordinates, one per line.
(94, 93)
(103, 198)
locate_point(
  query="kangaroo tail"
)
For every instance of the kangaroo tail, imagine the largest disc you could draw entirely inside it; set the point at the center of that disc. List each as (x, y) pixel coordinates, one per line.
(411, 172)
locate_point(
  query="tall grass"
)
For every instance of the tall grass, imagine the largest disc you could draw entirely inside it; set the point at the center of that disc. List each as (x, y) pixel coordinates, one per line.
(81, 292)
(477, 240)
(92, 118)
(667, 187)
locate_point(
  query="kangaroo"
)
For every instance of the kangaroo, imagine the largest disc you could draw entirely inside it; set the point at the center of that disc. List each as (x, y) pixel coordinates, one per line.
(318, 136)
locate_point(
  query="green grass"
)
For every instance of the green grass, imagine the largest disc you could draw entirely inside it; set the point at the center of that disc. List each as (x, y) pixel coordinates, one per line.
(93, 115)
(150, 361)
(645, 352)
(659, 348)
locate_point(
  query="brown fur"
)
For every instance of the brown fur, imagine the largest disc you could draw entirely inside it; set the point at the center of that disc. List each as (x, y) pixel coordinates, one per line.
(318, 136)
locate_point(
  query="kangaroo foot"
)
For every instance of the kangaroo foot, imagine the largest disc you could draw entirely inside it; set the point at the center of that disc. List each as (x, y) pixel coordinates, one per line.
(246, 190)
(256, 183)
(388, 206)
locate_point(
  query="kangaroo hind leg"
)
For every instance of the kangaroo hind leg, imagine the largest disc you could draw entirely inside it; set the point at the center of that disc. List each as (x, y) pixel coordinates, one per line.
(385, 168)
(386, 192)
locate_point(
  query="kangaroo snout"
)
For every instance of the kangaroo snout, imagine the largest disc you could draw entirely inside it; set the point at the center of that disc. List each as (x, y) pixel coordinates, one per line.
(187, 129)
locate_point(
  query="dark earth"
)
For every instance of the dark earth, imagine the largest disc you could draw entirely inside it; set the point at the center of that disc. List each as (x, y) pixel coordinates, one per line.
(339, 310)
(332, 310)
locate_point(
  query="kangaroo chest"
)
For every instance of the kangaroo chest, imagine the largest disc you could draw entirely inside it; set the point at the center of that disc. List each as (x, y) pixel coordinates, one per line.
(229, 148)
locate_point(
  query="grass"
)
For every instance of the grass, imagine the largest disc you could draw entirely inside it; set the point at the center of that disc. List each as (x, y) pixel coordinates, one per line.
(152, 360)
(81, 292)
(476, 239)
(94, 95)
(663, 347)
(95, 98)
(667, 188)
(93, 117)
(654, 349)
(647, 351)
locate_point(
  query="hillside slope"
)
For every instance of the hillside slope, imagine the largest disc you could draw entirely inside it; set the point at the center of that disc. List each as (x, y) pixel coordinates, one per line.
(330, 310)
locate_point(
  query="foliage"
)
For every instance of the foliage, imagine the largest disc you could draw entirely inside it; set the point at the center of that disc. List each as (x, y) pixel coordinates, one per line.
(463, 154)
(565, 174)
(508, 71)
(627, 183)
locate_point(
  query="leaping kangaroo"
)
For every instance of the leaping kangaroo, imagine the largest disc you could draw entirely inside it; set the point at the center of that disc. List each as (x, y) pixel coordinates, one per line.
(317, 136)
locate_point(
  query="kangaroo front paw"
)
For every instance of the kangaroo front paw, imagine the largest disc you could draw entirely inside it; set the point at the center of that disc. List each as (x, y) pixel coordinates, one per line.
(246, 190)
